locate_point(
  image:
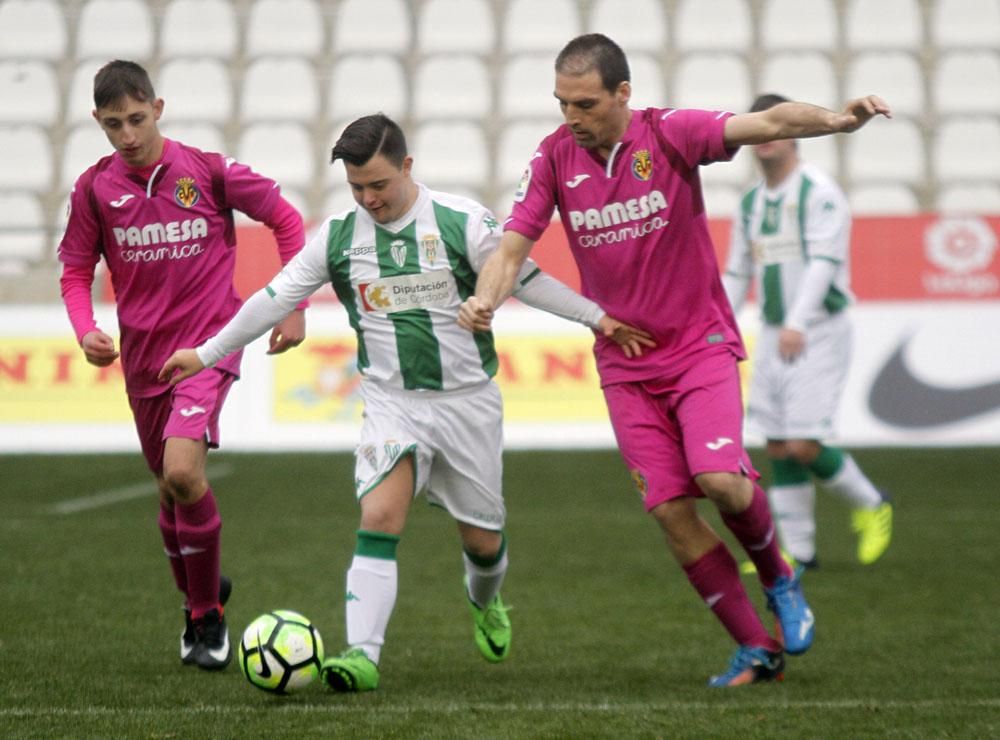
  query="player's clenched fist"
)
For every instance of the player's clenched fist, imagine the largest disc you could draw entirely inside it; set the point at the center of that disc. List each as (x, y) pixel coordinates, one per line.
(180, 365)
(475, 315)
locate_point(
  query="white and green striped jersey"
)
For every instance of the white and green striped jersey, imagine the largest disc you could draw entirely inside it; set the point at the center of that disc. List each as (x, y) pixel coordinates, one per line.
(778, 231)
(402, 284)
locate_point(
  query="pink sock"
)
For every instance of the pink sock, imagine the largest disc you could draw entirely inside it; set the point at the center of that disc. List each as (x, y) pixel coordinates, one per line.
(716, 578)
(198, 530)
(168, 529)
(754, 528)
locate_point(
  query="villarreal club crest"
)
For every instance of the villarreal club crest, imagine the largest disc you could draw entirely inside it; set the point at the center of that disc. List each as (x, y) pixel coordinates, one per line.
(186, 193)
(642, 165)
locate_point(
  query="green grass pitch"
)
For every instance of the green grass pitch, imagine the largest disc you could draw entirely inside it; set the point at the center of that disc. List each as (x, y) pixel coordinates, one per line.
(609, 639)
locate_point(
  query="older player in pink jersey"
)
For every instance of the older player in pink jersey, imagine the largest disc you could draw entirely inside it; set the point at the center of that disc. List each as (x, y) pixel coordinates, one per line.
(626, 185)
(161, 215)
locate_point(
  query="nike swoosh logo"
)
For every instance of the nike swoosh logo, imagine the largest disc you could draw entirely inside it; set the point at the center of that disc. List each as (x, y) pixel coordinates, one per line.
(713, 600)
(806, 624)
(265, 669)
(222, 652)
(122, 201)
(576, 180)
(899, 397)
(191, 411)
(719, 443)
(496, 649)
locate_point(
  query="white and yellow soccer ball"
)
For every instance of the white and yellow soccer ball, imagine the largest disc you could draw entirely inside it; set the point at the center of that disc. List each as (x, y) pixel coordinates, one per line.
(281, 652)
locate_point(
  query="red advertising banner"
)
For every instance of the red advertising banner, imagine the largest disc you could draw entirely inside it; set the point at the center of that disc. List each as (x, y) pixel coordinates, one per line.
(919, 258)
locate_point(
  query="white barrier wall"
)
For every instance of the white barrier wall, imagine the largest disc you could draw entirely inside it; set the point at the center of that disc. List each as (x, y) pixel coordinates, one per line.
(922, 374)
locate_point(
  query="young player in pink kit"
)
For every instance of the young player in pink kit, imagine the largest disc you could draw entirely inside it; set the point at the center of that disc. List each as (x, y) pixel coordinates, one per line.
(627, 189)
(160, 214)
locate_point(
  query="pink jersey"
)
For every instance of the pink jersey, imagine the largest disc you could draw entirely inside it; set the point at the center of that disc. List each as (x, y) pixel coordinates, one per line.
(169, 244)
(637, 228)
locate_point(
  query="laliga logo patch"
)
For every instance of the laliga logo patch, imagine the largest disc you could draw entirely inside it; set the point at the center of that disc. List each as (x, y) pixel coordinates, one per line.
(186, 193)
(642, 165)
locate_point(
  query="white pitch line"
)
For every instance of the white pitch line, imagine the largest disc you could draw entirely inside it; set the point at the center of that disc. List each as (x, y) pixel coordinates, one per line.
(462, 708)
(125, 493)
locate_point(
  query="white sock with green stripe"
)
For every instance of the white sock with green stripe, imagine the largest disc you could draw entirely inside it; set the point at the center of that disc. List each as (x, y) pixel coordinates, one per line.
(838, 472)
(485, 575)
(372, 581)
(793, 503)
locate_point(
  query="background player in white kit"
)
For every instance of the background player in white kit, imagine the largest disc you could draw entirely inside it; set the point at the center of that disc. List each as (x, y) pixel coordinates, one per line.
(792, 232)
(401, 262)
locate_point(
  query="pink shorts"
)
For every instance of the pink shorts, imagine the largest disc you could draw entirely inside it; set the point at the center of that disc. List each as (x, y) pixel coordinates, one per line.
(675, 427)
(190, 410)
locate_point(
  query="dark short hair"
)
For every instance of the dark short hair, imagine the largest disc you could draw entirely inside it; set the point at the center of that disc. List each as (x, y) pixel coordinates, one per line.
(120, 79)
(595, 51)
(368, 136)
(768, 100)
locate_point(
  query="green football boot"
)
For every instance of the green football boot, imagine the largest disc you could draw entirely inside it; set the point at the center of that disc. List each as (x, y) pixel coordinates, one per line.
(350, 671)
(874, 529)
(491, 627)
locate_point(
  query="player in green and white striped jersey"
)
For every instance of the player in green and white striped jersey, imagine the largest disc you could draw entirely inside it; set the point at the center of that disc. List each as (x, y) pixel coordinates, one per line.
(792, 233)
(401, 262)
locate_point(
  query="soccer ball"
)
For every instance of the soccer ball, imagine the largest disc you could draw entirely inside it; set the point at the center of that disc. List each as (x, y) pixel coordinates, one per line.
(280, 652)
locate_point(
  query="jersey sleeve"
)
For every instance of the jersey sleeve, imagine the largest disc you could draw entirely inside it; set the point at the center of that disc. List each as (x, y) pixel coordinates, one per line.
(698, 136)
(248, 191)
(81, 242)
(306, 273)
(827, 224)
(535, 198)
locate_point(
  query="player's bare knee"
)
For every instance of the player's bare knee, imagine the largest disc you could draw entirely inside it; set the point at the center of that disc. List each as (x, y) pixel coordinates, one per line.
(731, 492)
(481, 543)
(802, 451)
(186, 484)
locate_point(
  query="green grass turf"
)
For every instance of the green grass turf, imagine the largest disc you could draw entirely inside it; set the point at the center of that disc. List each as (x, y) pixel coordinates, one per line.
(609, 640)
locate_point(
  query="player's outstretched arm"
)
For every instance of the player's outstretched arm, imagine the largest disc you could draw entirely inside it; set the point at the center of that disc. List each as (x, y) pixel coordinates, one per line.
(180, 365)
(801, 121)
(630, 338)
(496, 281)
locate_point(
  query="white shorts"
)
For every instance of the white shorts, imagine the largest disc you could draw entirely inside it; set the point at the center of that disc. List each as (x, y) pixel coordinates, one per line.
(799, 400)
(456, 438)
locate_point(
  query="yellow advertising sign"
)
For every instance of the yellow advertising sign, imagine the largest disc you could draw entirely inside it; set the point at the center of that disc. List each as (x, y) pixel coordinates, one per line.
(543, 378)
(49, 381)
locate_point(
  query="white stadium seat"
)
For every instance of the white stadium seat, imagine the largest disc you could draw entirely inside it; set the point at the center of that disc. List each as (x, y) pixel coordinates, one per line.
(805, 76)
(281, 151)
(967, 82)
(712, 81)
(886, 151)
(32, 29)
(372, 25)
(456, 25)
(80, 99)
(543, 27)
(27, 158)
(885, 199)
(638, 25)
(196, 89)
(121, 29)
(22, 227)
(518, 141)
(361, 84)
(279, 89)
(894, 76)
(738, 173)
(84, 145)
(447, 154)
(29, 92)
(886, 24)
(649, 88)
(821, 152)
(526, 86)
(965, 23)
(452, 85)
(967, 149)
(982, 198)
(284, 27)
(721, 201)
(199, 28)
(721, 25)
(799, 24)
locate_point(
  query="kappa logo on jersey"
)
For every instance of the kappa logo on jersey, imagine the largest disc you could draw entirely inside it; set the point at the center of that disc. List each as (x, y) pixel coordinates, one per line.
(186, 193)
(397, 249)
(358, 251)
(491, 223)
(121, 201)
(429, 244)
(577, 180)
(642, 165)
